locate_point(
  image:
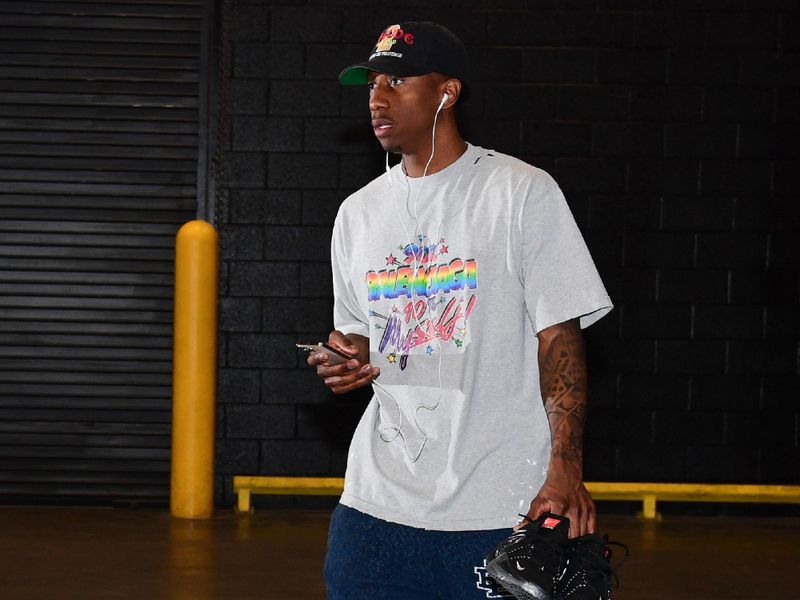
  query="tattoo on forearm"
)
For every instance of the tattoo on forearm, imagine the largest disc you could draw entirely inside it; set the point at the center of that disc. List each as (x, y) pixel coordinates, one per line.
(563, 382)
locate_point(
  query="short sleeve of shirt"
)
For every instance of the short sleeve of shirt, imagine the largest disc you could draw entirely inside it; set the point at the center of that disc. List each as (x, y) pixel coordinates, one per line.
(559, 276)
(348, 316)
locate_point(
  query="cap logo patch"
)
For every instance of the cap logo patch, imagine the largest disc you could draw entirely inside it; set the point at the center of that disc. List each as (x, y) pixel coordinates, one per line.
(390, 35)
(550, 523)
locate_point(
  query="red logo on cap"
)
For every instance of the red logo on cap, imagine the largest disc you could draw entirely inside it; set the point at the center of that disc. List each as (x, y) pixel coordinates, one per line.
(392, 33)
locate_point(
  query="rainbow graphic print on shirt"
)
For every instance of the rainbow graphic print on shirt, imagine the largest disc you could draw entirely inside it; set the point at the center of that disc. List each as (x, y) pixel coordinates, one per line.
(421, 295)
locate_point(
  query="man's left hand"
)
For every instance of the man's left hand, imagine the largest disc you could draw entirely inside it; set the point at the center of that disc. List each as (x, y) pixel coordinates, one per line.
(563, 493)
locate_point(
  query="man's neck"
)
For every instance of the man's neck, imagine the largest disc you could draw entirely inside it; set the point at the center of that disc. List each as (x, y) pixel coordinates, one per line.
(449, 149)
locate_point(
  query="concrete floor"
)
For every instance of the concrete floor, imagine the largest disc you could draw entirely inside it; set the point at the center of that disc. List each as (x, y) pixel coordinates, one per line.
(88, 554)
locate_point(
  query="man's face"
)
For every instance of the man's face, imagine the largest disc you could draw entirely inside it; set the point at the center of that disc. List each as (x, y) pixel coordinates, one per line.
(402, 110)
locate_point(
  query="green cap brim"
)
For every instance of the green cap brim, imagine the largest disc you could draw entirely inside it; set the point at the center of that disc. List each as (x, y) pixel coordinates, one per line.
(358, 74)
(355, 75)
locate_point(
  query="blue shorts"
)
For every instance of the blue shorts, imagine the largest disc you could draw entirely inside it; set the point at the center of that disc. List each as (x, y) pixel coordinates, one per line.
(372, 559)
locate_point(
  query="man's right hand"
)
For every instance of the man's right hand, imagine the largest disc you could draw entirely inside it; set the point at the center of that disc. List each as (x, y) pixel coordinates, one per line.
(351, 374)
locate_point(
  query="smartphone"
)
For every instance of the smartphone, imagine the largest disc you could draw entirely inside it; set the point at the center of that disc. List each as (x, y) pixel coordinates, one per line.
(334, 356)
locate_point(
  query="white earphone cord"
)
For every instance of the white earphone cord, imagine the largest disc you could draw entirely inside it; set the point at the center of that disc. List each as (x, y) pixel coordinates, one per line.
(397, 429)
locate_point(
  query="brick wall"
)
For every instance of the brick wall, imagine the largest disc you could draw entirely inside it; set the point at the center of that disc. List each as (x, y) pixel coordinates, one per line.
(672, 128)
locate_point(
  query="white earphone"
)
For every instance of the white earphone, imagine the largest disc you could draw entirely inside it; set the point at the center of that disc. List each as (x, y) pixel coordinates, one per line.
(389, 432)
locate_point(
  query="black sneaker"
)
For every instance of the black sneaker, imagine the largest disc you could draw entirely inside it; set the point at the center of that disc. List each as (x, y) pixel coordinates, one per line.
(588, 574)
(530, 562)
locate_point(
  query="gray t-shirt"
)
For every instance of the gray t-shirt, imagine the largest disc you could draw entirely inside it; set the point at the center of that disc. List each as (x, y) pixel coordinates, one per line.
(451, 277)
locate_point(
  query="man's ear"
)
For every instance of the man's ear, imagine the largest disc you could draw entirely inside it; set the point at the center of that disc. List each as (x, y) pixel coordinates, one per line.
(452, 88)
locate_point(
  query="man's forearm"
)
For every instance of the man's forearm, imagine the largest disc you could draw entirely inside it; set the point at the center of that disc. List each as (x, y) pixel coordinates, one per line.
(562, 374)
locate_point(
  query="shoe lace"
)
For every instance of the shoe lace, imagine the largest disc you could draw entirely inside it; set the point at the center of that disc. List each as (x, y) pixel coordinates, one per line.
(592, 562)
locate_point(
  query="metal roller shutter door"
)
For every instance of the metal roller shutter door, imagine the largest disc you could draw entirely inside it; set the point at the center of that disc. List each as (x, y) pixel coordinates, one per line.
(98, 168)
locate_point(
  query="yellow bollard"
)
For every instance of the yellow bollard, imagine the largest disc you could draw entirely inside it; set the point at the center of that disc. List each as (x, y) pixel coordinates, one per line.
(194, 371)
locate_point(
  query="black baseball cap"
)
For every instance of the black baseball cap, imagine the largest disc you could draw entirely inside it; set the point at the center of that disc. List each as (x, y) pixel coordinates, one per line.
(412, 48)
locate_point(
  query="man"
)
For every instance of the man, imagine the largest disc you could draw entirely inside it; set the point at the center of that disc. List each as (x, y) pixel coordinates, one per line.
(461, 284)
